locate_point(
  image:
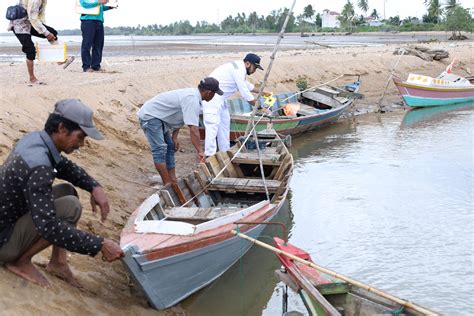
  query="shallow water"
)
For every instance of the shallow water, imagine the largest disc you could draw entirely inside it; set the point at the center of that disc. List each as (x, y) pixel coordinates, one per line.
(384, 199)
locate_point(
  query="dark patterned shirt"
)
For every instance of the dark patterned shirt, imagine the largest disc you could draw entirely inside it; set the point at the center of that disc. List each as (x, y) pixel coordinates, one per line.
(26, 181)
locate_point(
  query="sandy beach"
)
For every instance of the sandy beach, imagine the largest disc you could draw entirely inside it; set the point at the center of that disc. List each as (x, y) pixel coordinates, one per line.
(122, 162)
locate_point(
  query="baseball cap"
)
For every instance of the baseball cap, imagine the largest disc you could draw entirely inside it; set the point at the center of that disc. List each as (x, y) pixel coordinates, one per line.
(79, 113)
(253, 59)
(211, 84)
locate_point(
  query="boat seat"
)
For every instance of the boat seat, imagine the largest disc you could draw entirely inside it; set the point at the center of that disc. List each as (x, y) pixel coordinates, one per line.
(243, 185)
(270, 159)
(199, 213)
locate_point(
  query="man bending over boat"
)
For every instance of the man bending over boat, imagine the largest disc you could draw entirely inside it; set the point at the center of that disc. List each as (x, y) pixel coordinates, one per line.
(34, 214)
(170, 111)
(216, 114)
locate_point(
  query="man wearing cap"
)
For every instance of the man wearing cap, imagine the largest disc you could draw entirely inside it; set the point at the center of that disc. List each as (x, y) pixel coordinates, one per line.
(34, 214)
(170, 111)
(232, 78)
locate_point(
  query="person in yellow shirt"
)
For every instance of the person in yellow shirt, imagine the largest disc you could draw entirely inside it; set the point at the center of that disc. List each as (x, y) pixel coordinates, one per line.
(32, 24)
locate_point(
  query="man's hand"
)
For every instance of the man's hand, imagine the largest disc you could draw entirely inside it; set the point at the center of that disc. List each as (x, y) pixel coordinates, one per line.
(111, 250)
(201, 157)
(99, 198)
(51, 38)
(103, 1)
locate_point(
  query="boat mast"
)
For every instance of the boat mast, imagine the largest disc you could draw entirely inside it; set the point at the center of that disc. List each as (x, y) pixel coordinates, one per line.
(267, 73)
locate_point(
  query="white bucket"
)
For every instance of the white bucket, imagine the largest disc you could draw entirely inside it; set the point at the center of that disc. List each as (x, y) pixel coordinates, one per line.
(46, 52)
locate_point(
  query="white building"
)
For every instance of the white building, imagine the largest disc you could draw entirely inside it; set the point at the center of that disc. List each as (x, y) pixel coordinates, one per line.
(329, 19)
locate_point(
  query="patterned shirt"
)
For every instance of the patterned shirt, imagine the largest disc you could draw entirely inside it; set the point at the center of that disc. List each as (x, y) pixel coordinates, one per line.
(26, 180)
(36, 17)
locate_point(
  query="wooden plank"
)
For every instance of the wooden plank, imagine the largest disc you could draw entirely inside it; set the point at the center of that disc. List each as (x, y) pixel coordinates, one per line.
(284, 164)
(188, 184)
(169, 202)
(244, 185)
(213, 166)
(200, 180)
(177, 189)
(222, 164)
(230, 165)
(237, 169)
(253, 158)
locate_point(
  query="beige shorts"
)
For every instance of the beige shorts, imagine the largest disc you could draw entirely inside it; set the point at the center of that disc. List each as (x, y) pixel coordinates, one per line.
(68, 208)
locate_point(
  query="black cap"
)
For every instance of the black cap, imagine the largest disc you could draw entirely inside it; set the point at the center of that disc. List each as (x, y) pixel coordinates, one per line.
(253, 59)
(79, 113)
(211, 84)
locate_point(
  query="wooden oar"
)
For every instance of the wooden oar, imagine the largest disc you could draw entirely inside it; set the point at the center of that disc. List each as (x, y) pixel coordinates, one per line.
(337, 275)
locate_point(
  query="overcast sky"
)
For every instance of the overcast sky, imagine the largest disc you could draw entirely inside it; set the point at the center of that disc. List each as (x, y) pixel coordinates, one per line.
(60, 13)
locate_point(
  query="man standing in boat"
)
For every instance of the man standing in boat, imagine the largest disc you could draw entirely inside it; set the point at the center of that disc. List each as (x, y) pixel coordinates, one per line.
(232, 78)
(34, 214)
(170, 111)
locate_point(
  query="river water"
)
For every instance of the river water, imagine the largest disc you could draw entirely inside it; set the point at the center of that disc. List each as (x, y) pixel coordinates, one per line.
(384, 199)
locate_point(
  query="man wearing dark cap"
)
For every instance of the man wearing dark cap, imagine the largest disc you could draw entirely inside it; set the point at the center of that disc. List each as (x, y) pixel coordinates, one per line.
(170, 111)
(232, 78)
(35, 214)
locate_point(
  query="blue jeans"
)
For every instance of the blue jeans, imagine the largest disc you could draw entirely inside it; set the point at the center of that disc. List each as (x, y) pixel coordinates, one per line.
(161, 143)
(92, 38)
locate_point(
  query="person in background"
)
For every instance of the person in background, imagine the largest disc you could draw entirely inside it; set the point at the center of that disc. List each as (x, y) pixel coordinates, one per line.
(32, 25)
(232, 78)
(34, 213)
(171, 110)
(92, 27)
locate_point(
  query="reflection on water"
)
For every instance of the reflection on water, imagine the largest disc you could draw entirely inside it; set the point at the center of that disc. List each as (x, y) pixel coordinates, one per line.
(248, 285)
(390, 206)
(430, 115)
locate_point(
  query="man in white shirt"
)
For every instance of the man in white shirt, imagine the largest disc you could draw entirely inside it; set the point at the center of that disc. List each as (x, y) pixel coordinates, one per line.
(232, 78)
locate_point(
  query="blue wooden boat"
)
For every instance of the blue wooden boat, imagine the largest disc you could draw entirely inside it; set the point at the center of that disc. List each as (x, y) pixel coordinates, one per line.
(179, 240)
(318, 107)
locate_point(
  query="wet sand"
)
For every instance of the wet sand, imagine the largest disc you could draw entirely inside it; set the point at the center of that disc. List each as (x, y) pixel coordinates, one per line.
(122, 162)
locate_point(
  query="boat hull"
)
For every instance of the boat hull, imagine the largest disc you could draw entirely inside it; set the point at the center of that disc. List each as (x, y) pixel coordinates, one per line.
(416, 95)
(167, 281)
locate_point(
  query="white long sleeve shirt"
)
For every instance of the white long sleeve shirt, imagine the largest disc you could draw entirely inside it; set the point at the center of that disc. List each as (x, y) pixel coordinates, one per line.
(232, 78)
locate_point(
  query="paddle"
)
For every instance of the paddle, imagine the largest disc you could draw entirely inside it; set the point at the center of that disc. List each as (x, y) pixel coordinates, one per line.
(337, 275)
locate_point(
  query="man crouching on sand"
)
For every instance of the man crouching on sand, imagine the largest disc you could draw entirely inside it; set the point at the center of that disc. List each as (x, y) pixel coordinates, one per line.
(35, 214)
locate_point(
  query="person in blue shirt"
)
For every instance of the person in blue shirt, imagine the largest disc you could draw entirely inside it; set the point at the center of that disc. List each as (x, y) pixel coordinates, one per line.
(92, 27)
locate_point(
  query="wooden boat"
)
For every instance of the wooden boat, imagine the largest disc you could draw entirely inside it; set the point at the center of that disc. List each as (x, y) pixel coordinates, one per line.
(446, 89)
(329, 294)
(179, 239)
(318, 107)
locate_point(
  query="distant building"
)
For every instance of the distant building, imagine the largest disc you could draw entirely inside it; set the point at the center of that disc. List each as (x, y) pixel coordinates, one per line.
(373, 21)
(329, 19)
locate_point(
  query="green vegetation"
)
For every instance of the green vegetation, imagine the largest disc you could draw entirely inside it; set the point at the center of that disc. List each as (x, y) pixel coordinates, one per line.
(449, 16)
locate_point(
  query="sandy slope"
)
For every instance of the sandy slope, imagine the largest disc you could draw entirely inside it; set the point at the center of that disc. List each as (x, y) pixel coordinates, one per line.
(122, 162)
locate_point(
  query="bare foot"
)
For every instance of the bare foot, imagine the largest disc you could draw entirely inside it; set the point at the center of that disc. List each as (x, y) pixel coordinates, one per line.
(29, 272)
(63, 272)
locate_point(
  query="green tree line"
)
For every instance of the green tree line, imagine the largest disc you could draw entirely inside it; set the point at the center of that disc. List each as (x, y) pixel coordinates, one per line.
(450, 16)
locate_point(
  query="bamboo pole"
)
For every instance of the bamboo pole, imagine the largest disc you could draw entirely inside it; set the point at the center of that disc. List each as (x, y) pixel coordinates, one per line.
(267, 73)
(337, 275)
(389, 78)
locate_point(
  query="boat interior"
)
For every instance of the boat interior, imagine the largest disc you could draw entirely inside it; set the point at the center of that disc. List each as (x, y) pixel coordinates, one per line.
(316, 101)
(228, 182)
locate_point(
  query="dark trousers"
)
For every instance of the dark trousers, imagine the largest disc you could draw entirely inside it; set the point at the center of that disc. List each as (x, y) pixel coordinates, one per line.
(27, 45)
(92, 40)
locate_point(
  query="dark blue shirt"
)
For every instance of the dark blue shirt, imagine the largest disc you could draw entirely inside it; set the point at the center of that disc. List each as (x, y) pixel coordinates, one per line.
(26, 181)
